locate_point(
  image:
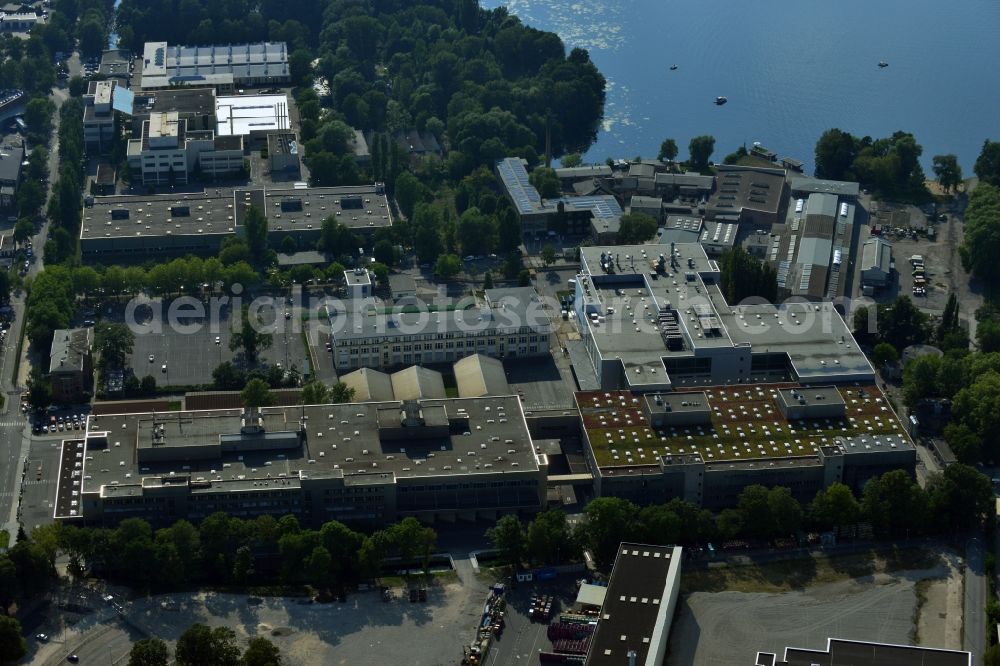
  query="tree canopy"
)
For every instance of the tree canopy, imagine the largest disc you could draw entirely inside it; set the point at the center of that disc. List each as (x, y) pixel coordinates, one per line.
(981, 244)
(889, 167)
(744, 277)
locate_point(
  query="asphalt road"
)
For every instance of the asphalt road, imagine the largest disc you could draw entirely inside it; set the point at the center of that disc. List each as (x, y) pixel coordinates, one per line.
(13, 438)
(974, 639)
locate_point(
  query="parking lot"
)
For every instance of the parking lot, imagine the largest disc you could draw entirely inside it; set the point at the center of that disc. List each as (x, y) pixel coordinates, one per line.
(187, 354)
(876, 604)
(363, 630)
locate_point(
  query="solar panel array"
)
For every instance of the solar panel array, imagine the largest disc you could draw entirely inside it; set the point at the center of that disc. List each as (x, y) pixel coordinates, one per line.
(515, 179)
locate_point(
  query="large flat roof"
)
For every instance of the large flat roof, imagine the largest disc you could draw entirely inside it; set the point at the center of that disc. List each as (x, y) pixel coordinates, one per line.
(219, 211)
(185, 101)
(746, 425)
(462, 436)
(806, 185)
(635, 605)
(240, 60)
(814, 336)
(243, 114)
(746, 187)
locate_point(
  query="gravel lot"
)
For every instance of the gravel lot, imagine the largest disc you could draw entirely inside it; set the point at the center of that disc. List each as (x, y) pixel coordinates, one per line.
(879, 607)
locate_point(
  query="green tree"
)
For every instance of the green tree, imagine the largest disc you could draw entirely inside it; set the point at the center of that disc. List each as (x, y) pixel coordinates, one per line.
(508, 537)
(975, 417)
(149, 652)
(636, 228)
(948, 171)
(38, 118)
(255, 228)
(30, 198)
(413, 541)
(243, 565)
(548, 255)
(894, 503)
(920, 379)
(227, 377)
(261, 652)
(199, 646)
(314, 393)
(668, 151)
(340, 393)
(701, 149)
(409, 192)
(23, 230)
(385, 252)
(256, 394)
(113, 342)
(571, 160)
(660, 525)
(901, 324)
(961, 496)
(147, 385)
(884, 353)
(988, 336)
(745, 277)
(448, 266)
(835, 154)
(987, 165)
(546, 182)
(548, 539)
(508, 230)
(835, 506)
(13, 647)
(981, 244)
(248, 338)
(608, 522)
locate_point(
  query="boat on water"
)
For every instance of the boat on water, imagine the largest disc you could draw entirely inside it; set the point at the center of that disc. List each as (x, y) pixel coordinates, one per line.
(719, 101)
(673, 67)
(883, 63)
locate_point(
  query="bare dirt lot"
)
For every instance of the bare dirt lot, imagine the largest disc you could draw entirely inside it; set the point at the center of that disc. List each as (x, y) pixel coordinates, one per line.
(729, 615)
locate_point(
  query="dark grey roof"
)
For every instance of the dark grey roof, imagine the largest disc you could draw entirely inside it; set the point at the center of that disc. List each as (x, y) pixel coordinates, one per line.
(11, 157)
(842, 652)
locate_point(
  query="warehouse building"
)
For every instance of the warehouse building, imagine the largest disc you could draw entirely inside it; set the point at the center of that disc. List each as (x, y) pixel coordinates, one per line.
(417, 383)
(480, 375)
(876, 264)
(367, 463)
(706, 446)
(748, 195)
(369, 385)
(136, 228)
(638, 609)
(224, 68)
(509, 323)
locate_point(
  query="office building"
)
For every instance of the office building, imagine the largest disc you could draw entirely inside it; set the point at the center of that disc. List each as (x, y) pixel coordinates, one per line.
(508, 323)
(169, 154)
(367, 463)
(638, 607)
(599, 215)
(225, 68)
(706, 446)
(102, 100)
(842, 652)
(653, 318)
(71, 368)
(139, 227)
(195, 106)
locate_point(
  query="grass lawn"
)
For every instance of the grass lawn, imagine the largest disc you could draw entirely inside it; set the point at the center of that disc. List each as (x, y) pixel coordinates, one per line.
(4, 539)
